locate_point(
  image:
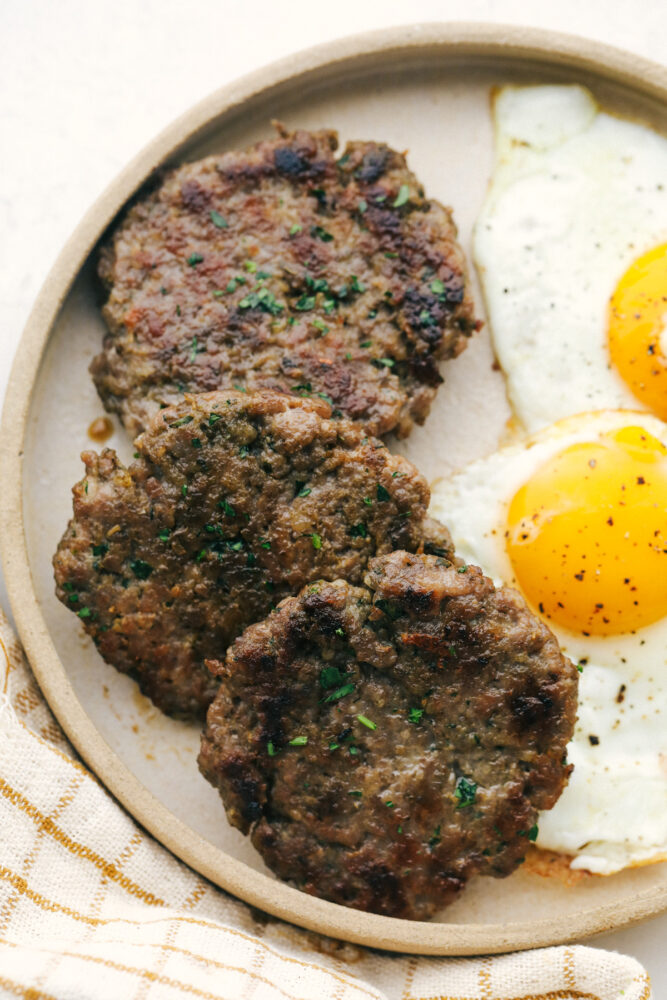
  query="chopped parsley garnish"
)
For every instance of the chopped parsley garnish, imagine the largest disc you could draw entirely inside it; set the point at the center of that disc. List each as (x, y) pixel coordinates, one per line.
(356, 285)
(184, 490)
(227, 508)
(334, 746)
(461, 569)
(305, 303)
(426, 319)
(303, 388)
(402, 197)
(296, 228)
(387, 362)
(356, 793)
(330, 676)
(436, 838)
(320, 325)
(250, 266)
(391, 255)
(262, 299)
(358, 530)
(382, 493)
(84, 613)
(195, 442)
(231, 286)
(213, 418)
(218, 220)
(362, 205)
(265, 544)
(465, 792)
(182, 422)
(100, 550)
(415, 716)
(341, 692)
(316, 540)
(317, 284)
(533, 832)
(366, 343)
(270, 749)
(327, 399)
(304, 491)
(340, 632)
(389, 805)
(365, 721)
(321, 234)
(142, 570)
(299, 741)
(368, 501)
(164, 535)
(437, 287)
(194, 259)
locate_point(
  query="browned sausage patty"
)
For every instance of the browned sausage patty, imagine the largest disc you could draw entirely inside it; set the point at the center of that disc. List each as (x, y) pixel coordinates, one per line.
(383, 744)
(235, 500)
(284, 268)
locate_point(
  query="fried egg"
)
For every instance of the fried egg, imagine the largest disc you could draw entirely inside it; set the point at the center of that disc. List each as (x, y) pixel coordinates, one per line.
(571, 247)
(576, 519)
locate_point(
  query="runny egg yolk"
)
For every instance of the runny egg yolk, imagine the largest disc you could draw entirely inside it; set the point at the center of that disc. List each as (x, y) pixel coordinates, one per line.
(587, 534)
(637, 329)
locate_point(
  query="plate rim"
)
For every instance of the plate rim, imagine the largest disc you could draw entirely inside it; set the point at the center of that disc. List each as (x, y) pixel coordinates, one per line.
(448, 39)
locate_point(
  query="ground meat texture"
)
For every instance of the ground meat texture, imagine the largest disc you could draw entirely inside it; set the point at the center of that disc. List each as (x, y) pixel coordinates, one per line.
(234, 501)
(437, 541)
(383, 744)
(284, 268)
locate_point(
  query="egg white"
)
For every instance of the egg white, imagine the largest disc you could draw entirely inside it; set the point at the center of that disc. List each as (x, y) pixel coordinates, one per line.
(576, 196)
(613, 813)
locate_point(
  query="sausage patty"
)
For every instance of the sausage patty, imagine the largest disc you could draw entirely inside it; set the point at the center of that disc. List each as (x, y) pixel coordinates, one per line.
(282, 267)
(383, 744)
(234, 501)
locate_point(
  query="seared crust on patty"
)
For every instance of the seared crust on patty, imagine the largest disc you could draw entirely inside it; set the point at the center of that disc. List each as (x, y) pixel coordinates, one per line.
(235, 501)
(283, 268)
(383, 744)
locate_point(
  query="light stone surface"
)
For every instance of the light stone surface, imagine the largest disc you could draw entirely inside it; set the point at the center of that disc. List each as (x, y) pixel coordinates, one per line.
(85, 85)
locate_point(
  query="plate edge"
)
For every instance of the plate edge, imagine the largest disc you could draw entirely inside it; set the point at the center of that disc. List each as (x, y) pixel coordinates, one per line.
(380, 932)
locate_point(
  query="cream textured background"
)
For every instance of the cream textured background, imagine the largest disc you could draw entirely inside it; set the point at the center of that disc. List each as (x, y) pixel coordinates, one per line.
(85, 84)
